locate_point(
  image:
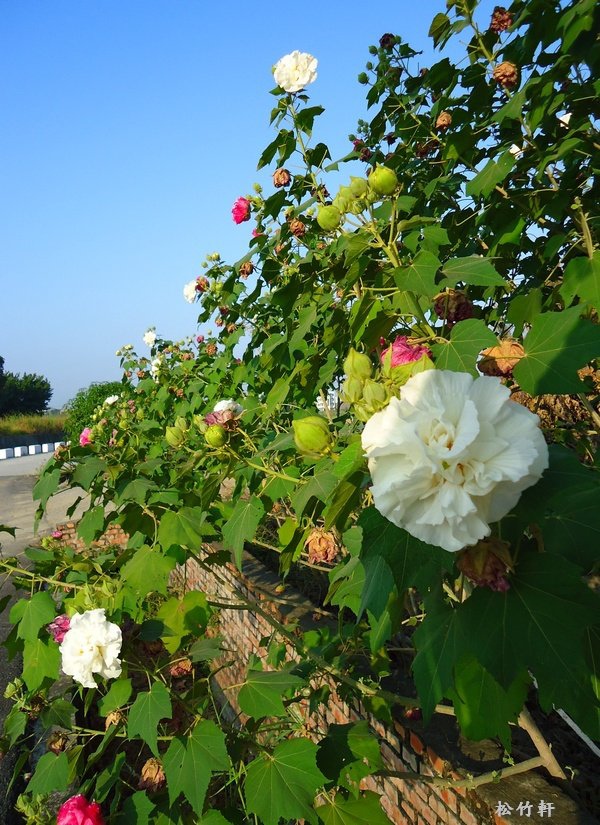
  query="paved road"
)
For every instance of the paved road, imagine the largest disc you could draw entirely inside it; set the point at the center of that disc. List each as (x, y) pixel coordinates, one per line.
(17, 509)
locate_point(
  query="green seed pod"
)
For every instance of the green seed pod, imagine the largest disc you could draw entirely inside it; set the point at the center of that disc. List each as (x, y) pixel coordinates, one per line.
(352, 390)
(311, 435)
(175, 436)
(329, 218)
(383, 181)
(358, 187)
(375, 395)
(357, 365)
(216, 436)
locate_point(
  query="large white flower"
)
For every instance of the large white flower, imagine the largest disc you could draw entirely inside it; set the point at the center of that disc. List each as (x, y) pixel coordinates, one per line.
(228, 405)
(91, 645)
(452, 455)
(112, 399)
(149, 338)
(295, 71)
(189, 291)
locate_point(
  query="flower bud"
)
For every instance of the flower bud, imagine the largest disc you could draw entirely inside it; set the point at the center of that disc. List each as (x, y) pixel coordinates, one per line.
(357, 365)
(329, 218)
(363, 78)
(174, 436)
(311, 435)
(375, 395)
(383, 181)
(216, 436)
(352, 390)
(359, 187)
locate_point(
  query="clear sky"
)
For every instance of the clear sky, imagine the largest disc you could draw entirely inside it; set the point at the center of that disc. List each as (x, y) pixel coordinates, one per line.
(128, 129)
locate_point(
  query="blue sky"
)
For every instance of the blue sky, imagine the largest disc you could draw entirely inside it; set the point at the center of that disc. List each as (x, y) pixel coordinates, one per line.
(128, 130)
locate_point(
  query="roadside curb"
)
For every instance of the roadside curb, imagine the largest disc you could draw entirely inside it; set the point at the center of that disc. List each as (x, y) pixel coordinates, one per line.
(31, 449)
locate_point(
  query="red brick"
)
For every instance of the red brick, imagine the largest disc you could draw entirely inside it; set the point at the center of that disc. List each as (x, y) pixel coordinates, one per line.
(401, 731)
(449, 798)
(438, 764)
(469, 818)
(416, 743)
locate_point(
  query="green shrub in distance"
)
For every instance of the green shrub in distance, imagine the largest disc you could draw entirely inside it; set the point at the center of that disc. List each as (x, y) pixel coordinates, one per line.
(81, 408)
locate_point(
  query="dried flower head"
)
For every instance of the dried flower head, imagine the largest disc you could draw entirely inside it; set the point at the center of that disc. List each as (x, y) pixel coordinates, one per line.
(297, 228)
(246, 269)
(452, 306)
(487, 564)
(181, 668)
(322, 546)
(152, 777)
(506, 75)
(444, 121)
(501, 20)
(281, 177)
(501, 359)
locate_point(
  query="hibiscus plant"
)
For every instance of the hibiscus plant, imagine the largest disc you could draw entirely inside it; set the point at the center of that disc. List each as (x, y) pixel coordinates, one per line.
(402, 393)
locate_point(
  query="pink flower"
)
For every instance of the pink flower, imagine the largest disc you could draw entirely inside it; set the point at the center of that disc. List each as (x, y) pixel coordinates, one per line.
(241, 210)
(256, 233)
(57, 534)
(59, 627)
(200, 339)
(403, 352)
(86, 437)
(78, 811)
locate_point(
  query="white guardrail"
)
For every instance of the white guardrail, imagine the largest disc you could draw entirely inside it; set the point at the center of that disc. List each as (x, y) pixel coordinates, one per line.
(32, 449)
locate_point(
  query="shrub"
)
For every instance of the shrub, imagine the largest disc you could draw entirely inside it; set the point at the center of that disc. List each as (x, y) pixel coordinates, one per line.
(82, 407)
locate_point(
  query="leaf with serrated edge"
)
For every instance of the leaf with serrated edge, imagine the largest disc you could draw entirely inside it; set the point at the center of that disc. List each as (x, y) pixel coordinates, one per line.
(283, 784)
(460, 353)
(189, 762)
(262, 691)
(146, 712)
(242, 525)
(366, 810)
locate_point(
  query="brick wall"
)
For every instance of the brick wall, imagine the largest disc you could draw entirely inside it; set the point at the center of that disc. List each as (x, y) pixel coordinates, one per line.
(405, 746)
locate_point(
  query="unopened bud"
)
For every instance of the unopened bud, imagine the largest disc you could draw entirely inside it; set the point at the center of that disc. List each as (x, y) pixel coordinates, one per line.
(174, 436)
(375, 395)
(358, 186)
(216, 436)
(311, 435)
(357, 365)
(352, 389)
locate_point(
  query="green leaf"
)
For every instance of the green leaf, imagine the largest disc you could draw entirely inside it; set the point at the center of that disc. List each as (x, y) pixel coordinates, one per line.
(183, 617)
(46, 486)
(493, 173)
(366, 810)
(39, 610)
(51, 774)
(41, 660)
(523, 308)
(582, 278)
(148, 571)
(320, 486)
(483, 708)
(473, 270)
(419, 276)
(14, 724)
(352, 458)
(343, 501)
(348, 753)
(547, 597)
(460, 353)
(204, 650)
(189, 762)
(184, 528)
(440, 641)
(146, 712)
(118, 695)
(283, 784)
(91, 525)
(136, 810)
(262, 692)
(241, 526)
(60, 713)
(135, 490)
(107, 778)
(558, 344)
(440, 26)
(87, 470)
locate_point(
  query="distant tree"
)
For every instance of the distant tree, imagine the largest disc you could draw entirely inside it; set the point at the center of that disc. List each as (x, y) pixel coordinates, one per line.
(23, 394)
